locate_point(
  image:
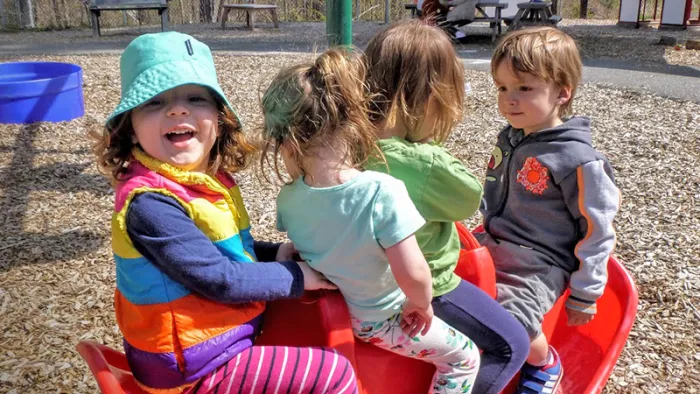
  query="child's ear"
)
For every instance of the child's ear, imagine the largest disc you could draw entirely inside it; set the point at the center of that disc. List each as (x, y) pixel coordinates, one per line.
(564, 95)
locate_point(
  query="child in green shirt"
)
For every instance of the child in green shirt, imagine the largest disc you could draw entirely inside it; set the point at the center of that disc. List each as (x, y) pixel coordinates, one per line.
(417, 83)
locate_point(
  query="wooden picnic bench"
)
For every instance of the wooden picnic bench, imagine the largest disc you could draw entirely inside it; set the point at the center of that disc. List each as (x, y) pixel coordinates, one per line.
(250, 9)
(533, 13)
(413, 7)
(97, 6)
(495, 20)
(482, 15)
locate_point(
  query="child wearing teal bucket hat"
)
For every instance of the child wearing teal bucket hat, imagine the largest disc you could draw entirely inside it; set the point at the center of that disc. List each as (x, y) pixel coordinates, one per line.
(190, 295)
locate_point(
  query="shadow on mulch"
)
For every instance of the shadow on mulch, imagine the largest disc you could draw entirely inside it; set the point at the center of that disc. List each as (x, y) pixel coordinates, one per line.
(17, 181)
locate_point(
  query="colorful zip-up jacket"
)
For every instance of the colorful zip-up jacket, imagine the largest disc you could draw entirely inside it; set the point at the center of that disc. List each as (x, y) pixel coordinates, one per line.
(553, 195)
(173, 336)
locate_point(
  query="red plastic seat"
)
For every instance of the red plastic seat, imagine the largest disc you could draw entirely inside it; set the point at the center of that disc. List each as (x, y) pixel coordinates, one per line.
(109, 368)
(370, 362)
(475, 264)
(588, 353)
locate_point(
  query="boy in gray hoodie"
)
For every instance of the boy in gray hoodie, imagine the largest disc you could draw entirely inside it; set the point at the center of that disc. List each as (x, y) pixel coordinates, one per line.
(549, 196)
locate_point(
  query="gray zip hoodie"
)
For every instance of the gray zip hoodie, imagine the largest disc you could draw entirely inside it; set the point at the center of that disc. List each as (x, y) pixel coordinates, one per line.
(553, 194)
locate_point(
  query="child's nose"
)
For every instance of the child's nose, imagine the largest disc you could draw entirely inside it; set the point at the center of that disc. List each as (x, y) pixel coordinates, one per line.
(178, 108)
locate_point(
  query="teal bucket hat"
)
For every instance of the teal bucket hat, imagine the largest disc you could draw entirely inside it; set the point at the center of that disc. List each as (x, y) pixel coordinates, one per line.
(154, 63)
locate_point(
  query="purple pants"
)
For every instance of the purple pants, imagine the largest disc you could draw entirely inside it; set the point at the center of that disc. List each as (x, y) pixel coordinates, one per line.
(501, 338)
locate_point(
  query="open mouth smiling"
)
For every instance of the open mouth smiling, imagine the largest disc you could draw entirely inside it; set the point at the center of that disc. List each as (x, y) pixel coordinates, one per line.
(180, 135)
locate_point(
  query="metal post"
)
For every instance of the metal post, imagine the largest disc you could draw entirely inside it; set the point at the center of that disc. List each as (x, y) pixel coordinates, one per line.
(357, 10)
(26, 14)
(339, 22)
(387, 9)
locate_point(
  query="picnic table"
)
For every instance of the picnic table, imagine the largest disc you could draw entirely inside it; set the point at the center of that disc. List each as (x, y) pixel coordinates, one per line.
(495, 21)
(482, 15)
(413, 7)
(534, 13)
(97, 6)
(250, 8)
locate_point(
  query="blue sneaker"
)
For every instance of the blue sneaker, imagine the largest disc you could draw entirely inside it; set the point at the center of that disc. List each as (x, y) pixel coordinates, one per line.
(541, 380)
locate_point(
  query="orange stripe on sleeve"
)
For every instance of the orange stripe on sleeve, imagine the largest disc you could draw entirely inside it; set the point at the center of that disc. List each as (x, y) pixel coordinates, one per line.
(190, 319)
(581, 208)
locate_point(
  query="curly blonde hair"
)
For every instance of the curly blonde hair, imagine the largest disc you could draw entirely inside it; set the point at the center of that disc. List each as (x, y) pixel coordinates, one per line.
(323, 104)
(113, 145)
(408, 63)
(545, 52)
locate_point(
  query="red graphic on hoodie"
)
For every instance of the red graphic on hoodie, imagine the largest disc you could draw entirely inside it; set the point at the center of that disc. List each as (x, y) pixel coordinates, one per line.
(533, 176)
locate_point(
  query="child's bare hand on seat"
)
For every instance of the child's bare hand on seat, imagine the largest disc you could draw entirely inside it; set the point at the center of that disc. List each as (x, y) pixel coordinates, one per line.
(286, 252)
(578, 318)
(416, 319)
(314, 280)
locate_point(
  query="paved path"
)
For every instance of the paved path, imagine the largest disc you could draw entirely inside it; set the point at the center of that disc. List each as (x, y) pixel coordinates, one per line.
(666, 80)
(681, 82)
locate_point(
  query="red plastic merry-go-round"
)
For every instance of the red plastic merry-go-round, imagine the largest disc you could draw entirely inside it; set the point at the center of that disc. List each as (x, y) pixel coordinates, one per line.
(588, 352)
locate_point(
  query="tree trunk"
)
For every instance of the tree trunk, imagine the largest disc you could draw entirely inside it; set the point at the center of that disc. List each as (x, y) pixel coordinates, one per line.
(3, 18)
(583, 11)
(205, 11)
(56, 17)
(319, 9)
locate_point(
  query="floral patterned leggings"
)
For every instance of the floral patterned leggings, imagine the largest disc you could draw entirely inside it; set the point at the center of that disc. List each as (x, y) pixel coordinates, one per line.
(454, 355)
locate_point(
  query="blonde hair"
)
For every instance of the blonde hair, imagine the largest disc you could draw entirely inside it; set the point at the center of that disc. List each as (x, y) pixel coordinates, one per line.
(112, 146)
(407, 64)
(545, 52)
(319, 105)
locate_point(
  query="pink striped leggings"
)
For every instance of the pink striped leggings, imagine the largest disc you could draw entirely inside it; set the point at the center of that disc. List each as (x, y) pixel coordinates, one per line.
(281, 370)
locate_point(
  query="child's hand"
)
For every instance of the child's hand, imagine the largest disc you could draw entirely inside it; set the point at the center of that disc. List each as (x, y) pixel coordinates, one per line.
(314, 280)
(416, 319)
(286, 252)
(578, 318)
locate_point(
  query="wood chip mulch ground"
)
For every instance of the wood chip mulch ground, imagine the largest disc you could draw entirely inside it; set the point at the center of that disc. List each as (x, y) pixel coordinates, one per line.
(57, 275)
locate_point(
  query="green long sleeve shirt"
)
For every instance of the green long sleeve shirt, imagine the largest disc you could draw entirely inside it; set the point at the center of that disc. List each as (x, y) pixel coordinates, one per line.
(443, 191)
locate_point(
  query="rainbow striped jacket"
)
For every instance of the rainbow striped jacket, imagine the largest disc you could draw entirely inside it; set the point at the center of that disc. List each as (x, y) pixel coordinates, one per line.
(173, 337)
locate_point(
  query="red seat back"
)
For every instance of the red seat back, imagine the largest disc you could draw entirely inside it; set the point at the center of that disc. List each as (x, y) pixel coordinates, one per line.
(109, 368)
(589, 352)
(475, 264)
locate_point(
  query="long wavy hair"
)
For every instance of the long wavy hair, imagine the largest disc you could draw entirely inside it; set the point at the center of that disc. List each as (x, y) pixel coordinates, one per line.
(408, 64)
